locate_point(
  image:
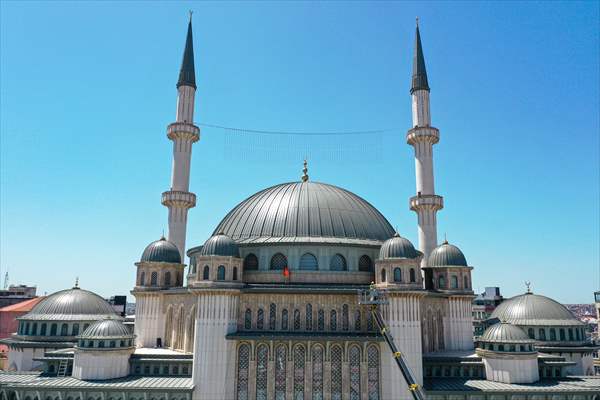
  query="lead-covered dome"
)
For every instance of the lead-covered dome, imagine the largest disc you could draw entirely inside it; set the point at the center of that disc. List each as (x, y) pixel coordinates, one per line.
(397, 247)
(504, 332)
(534, 309)
(303, 212)
(71, 305)
(220, 245)
(161, 251)
(446, 255)
(106, 328)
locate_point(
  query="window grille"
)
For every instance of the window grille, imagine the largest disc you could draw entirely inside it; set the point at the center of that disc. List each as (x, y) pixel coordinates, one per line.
(442, 282)
(317, 373)
(321, 320)
(336, 373)
(373, 373)
(280, 364)
(142, 278)
(454, 282)
(397, 275)
(333, 320)
(308, 262)
(248, 319)
(309, 317)
(354, 358)
(260, 319)
(250, 262)
(338, 263)
(278, 261)
(365, 264)
(262, 357)
(296, 320)
(413, 277)
(167, 278)
(284, 320)
(221, 273)
(243, 363)
(345, 317)
(370, 326)
(357, 321)
(154, 279)
(64, 329)
(205, 273)
(235, 272)
(272, 316)
(299, 357)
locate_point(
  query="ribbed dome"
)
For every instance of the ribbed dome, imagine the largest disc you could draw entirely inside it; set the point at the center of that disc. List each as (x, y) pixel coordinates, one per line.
(446, 255)
(220, 245)
(397, 247)
(106, 328)
(161, 251)
(534, 309)
(71, 305)
(505, 333)
(305, 212)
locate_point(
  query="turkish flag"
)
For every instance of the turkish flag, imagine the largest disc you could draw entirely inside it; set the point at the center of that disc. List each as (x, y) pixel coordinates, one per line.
(286, 272)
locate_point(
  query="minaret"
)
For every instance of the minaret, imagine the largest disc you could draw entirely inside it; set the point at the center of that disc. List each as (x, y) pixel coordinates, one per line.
(422, 137)
(183, 133)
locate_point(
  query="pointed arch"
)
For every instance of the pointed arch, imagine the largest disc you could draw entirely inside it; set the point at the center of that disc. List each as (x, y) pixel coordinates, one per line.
(190, 330)
(169, 326)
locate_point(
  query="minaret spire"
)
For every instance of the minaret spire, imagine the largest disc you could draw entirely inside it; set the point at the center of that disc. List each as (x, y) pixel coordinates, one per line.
(422, 137)
(183, 133)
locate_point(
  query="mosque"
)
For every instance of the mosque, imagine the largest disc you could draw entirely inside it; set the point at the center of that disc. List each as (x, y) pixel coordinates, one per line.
(268, 308)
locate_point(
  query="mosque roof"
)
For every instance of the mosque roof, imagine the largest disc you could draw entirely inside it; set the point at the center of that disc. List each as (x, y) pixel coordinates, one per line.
(161, 251)
(419, 74)
(397, 247)
(534, 309)
(305, 212)
(446, 255)
(106, 328)
(504, 332)
(187, 73)
(71, 305)
(220, 245)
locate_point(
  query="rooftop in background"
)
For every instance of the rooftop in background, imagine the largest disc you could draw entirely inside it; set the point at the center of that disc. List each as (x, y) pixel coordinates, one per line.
(16, 294)
(23, 306)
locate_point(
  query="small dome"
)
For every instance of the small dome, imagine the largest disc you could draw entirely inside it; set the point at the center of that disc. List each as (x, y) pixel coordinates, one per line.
(71, 305)
(106, 328)
(446, 255)
(220, 245)
(505, 333)
(161, 251)
(397, 247)
(534, 309)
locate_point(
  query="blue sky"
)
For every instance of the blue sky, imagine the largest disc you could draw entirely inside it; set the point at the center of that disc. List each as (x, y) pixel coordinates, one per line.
(87, 90)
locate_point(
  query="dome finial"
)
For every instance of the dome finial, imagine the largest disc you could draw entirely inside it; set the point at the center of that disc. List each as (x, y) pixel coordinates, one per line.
(191, 12)
(528, 285)
(305, 171)
(417, 20)
(445, 239)
(76, 283)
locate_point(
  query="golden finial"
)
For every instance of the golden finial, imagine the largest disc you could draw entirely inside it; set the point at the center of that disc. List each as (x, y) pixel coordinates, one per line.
(305, 172)
(528, 285)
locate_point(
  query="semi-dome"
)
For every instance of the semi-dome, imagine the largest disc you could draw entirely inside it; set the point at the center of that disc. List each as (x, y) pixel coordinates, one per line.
(445, 255)
(220, 245)
(106, 328)
(161, 251)
(534, 309)
(504, 332)
(71, 305)
(397, 247)
(305, 212)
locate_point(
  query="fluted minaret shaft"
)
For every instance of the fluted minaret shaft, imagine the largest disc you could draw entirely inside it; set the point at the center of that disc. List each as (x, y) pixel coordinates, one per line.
(422, 137)
(183, 133)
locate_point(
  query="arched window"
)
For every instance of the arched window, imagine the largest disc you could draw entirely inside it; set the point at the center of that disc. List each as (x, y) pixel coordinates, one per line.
(333, 320)
(308, 262)
(262, 359)
(365, 264)
(221, 273)
(397, 275)
(167, 278)
(194, 267)
(280, 376)
(142, 278)
(562, 334)
(75, 330)
(454, 281)
(235, 277)
(296, 320)
(272, 316)
(338, 263)
(153, 278)
(571, 337)
(64, 330)
(242, 376)
(500, 347)
(466, 282)
(357, 322)
(370, 326)
(373, 373)
(260, 319)
(441, 282)
(250, 262)
(531, 333)
(248, 319)
(101, 343)
(317, 373)
(542, 332)
(206, 272)
(34, 329)
(382, 275)
(345, 317)
(309, 317)
(577, 334)
(321, 320)
(354, 361)
(284, 320)
(178, 278)
(413, 277)
(336, 373)
(43, 330)
(299, 358)
(278, 261)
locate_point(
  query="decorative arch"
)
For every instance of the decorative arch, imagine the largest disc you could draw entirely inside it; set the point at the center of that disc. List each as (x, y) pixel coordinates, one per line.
(299, 367)
(278, 261)
(142, 278)
(168, 278)
(169, 327)
(365, 263)
(373, 373)
(338, 263)
(383, 276)
(280, 371)
(190, 330)
(308, 262)
(262, 360)
(413, 275)
(397, 274)
(355, 375)
(250, 262)
(318, 361)
(221, 273)
(336, 372)
(243, 371)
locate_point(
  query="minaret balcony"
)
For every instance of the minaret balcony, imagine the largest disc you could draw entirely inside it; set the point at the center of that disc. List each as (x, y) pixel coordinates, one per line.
(420, 134)
(179, 199)
(183, 130)
(426, 202)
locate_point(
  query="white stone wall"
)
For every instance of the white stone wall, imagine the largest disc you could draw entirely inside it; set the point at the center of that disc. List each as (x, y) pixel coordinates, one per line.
(101, 364)
(185, 104)
(459, 324)
(421, 114)
(149, 319)
(511, 369)
(21, 359)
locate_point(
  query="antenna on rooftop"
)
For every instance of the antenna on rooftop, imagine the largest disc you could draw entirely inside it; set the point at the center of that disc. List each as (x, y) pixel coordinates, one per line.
(6, 280)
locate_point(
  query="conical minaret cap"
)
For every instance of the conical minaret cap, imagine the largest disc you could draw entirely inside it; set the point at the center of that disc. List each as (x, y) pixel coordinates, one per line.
(187, 73)
(419, 75)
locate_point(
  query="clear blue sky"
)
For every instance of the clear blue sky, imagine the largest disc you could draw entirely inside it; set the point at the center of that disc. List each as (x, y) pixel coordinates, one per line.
(88, 88)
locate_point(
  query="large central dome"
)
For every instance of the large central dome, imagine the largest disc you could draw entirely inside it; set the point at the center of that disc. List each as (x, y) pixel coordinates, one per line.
(305, 212)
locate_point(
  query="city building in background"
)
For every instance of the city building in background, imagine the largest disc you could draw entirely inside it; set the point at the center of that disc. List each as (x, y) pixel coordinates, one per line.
(484, 305)
(16, 294)
(9, 324)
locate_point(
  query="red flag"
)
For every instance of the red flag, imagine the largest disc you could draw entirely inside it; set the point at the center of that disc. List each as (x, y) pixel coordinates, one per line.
(286, 272)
